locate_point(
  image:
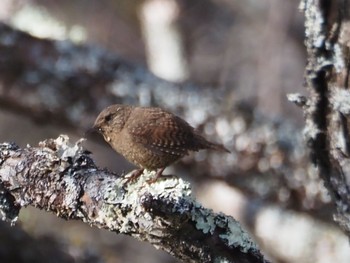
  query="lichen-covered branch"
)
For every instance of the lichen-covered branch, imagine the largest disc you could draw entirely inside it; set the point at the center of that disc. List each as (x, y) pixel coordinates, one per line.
(327, 111)
(63, 179)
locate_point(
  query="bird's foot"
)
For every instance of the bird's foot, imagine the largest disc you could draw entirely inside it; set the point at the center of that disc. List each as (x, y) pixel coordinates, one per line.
(134, 175)
(159, 174)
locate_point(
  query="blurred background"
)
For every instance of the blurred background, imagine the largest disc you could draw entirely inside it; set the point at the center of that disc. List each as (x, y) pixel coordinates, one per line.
(223, 65)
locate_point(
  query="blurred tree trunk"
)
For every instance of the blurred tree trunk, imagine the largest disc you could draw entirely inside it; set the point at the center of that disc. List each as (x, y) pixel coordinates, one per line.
(327, 111)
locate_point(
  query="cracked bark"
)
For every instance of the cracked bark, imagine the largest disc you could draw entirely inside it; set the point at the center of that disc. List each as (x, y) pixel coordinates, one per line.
(62, 178)
(327, 110)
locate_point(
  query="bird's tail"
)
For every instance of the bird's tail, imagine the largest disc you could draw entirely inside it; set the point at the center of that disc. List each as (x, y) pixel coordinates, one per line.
(218, 147)
(204, 144)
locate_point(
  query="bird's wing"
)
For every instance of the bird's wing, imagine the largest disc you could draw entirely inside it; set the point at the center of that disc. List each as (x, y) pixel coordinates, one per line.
(162, 132)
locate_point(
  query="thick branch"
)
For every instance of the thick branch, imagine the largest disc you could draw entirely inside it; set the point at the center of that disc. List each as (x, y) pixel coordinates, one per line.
(63, 179)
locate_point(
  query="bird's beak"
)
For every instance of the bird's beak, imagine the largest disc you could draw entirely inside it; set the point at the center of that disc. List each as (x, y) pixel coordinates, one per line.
(93, 129)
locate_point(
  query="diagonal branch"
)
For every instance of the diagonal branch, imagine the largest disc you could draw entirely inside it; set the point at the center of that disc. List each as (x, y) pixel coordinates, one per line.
(63, 179)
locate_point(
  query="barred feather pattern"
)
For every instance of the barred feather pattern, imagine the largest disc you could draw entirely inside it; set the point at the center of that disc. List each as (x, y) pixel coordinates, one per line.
(153, 138)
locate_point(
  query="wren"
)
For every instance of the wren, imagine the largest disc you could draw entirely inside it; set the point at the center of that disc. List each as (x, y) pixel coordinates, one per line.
(149, 137)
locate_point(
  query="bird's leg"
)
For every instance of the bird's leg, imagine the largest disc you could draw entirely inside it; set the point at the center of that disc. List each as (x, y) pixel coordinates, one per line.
(134, 175)
(160, 172)
(158, 175)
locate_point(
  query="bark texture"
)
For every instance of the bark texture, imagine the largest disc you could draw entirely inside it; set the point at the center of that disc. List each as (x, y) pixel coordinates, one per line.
(327, 110)
(62, 178)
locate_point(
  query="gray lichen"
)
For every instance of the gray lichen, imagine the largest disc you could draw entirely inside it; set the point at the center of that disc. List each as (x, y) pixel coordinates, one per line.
(60, 177)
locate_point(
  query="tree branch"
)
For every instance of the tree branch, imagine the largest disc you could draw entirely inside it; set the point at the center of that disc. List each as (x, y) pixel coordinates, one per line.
(63, 179)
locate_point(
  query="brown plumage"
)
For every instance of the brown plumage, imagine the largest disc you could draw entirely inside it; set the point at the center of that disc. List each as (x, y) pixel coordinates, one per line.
(151, 138)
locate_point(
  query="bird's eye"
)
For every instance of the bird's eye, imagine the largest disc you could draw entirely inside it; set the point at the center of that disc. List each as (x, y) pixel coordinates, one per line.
(108, 117)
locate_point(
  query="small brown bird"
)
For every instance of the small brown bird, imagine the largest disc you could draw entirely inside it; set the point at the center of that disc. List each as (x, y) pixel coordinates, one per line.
(149, 137)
